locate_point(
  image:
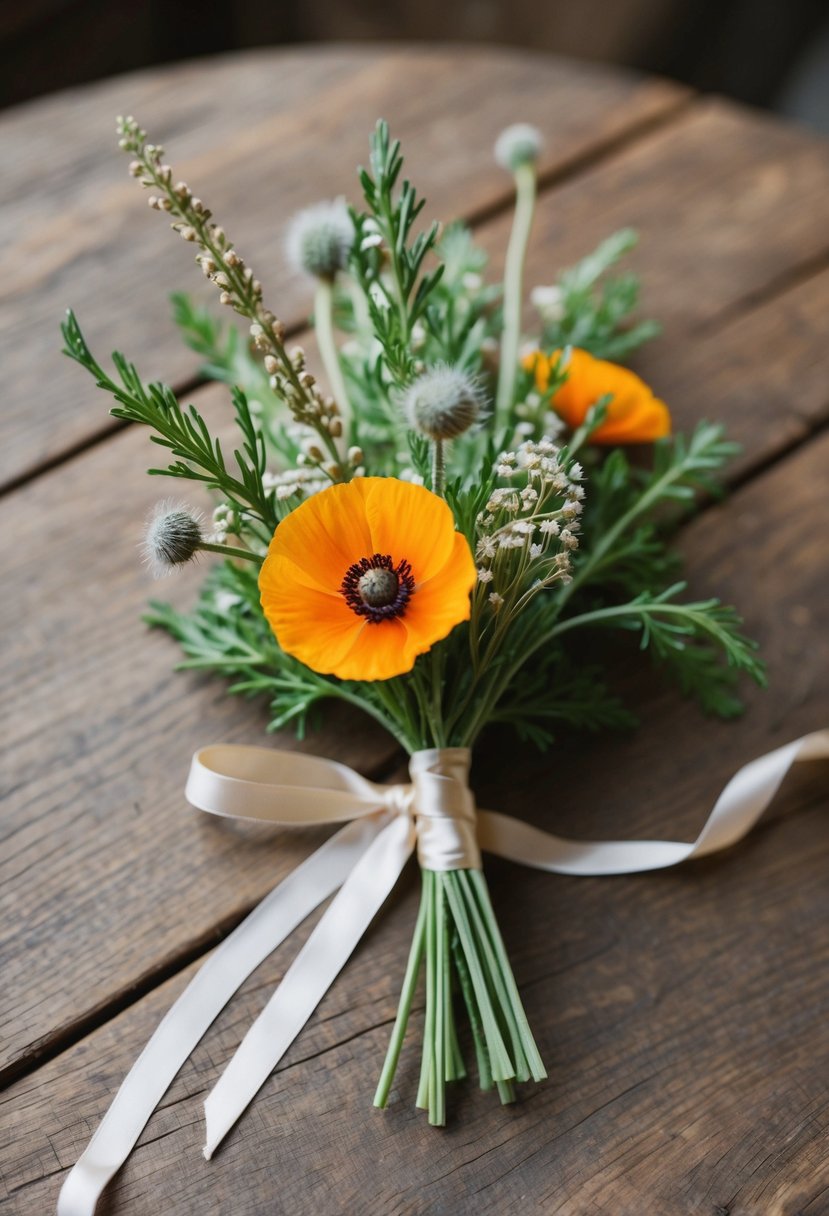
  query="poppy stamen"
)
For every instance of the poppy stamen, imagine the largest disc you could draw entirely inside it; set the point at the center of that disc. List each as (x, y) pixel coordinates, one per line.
(376, 589)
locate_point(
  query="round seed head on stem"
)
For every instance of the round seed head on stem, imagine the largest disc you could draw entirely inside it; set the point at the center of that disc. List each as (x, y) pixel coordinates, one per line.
(442, 402)
(319, 239)
(172, 537)
(518, 145)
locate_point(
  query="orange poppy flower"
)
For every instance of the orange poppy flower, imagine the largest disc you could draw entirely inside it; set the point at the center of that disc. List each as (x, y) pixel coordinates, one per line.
(363, 577)
(634, 414)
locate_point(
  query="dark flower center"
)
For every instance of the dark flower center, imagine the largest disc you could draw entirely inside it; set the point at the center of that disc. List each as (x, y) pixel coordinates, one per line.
(376, 589)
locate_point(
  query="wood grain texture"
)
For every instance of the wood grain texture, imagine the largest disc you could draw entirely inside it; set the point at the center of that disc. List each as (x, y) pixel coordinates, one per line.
(117, 726)
(258, 136)
(682, 1014)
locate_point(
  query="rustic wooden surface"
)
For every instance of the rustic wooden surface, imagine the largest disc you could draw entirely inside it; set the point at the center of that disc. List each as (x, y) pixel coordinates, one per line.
(683, 1015)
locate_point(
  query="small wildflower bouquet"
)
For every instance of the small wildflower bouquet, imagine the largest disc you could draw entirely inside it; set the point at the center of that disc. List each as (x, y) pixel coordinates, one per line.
(420, 529)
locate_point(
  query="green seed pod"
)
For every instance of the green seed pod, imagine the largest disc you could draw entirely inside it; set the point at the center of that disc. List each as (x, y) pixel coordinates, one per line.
(442, 403)
(319, 239)
(172, 537)
(518, 145)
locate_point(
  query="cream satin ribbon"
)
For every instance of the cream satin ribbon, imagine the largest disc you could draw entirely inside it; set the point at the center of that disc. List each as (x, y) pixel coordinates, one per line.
(362, 863)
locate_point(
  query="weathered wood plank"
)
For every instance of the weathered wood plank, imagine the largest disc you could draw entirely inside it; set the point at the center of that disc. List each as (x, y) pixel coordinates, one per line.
(764, 371)
(114, 740)
(258, 135)
(682, 1014)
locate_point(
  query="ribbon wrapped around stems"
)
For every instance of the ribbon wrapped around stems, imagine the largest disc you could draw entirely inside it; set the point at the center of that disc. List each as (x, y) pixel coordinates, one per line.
(434, 813)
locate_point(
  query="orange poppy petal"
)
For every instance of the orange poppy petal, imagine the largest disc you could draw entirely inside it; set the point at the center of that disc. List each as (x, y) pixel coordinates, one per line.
(281, 575)
(316, 628)
(634, 414)
(409, 522)
(649, 421)
(538, 363)
(327, 533)
(380, 651)
(443, 600)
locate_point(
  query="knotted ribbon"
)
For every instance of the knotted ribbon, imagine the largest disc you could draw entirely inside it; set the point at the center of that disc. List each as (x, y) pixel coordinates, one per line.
(434, 813)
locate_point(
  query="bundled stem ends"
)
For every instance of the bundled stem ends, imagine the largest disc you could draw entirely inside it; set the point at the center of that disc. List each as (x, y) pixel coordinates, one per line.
(457, 935)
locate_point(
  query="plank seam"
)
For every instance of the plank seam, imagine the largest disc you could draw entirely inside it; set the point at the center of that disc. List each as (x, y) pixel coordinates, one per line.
(776, 288)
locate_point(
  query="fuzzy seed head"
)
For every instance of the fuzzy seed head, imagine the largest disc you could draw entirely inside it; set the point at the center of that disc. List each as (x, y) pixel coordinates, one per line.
(172, 537)
(442, 403)
(319, 239)
(518, 145)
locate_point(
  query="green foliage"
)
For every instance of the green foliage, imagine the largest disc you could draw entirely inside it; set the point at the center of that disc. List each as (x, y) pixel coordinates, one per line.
(699, 644)
(198, 455)
(395, 301)
(226, 355)
(632, 511)
(229, 359)
(413, 300)
(226, 634)
(561, 693)
(596, 313)
(461, 314)
(468, 500)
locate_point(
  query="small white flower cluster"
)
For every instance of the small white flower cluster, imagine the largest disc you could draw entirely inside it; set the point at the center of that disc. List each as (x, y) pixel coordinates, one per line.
(528, 530)
(549, 303)
(534, 414)
(224, 522)
(312, 472)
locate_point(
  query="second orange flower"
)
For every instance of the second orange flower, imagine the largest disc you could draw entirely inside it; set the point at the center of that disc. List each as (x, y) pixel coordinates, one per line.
(634, 414)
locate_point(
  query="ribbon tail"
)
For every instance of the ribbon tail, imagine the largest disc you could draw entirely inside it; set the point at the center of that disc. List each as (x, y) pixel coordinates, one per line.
(188, 1019)
(739, 806)
(308, 979)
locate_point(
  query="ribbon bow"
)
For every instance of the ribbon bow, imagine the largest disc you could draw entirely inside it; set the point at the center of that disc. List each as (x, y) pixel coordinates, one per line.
(435, 813)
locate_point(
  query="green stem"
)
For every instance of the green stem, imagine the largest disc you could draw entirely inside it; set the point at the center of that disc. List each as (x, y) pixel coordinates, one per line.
(629, 609)
(468, 993)
(513, 289)
(324, 326)
(404, 1007)
(497, 983)
(506, 1092)
(438, 468)
(536, 1066)
(424, 1090)
(454, 1060)
(437, 1116)
(230, 551)
(502, 1069)
(386, 719)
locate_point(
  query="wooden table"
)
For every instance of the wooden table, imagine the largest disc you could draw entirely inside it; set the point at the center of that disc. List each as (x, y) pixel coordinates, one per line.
(683, 1014)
